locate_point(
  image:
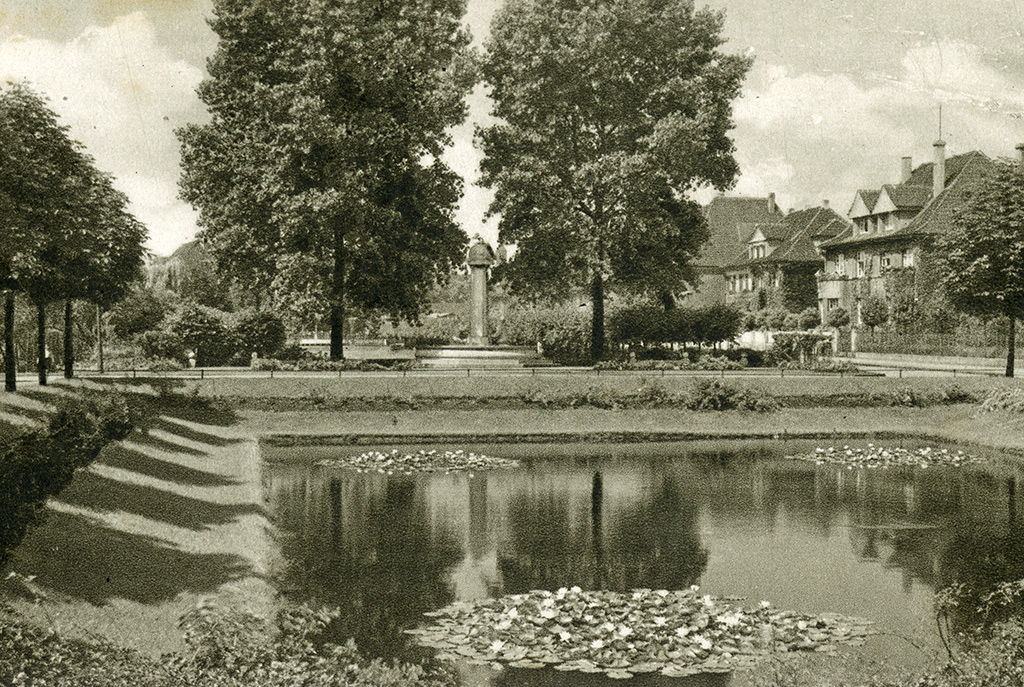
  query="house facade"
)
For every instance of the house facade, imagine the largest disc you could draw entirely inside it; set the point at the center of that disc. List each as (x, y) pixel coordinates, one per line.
(731, 222)
(778, 265)
(893, 228)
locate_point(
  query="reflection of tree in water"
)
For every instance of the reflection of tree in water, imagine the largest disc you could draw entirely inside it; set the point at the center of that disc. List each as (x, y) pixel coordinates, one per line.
(375, 554)
(983, 556)
(653, 542)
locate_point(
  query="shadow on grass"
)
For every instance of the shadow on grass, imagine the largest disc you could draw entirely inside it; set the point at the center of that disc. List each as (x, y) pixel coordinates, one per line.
(93, 491)
(126, 458)
(79, 557)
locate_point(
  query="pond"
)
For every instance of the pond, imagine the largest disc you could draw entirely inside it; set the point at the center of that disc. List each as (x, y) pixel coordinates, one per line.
(733, 517)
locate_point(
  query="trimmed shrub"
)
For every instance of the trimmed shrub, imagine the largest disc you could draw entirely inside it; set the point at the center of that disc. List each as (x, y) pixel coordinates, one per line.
(434, 331)
(808, 319)
(40, 464)
(713, 394)
(838, 318)
(1011, 400)
(260, 331)
(162, 344)
(142, 310)
(563, 331)
(203, 330)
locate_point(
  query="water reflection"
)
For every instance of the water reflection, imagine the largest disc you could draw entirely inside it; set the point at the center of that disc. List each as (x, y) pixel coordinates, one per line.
(729, 516)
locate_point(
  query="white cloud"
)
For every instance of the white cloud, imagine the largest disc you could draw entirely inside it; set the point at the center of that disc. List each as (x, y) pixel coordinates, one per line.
(122, 95)
(812, 136)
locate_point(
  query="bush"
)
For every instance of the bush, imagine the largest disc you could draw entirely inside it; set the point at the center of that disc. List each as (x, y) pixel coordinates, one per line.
(709, 325)
(837, 318)
(808, 319)
(40, 464)
(140, 311)
(1011, 400)
(713, 394)
(226, 648)
(434, 331)
(162, 344)
(799, 347)
(203, 330)
(260, 331)
(563, 331)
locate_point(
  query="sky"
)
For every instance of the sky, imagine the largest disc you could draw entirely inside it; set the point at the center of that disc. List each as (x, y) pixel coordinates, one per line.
(840, 90)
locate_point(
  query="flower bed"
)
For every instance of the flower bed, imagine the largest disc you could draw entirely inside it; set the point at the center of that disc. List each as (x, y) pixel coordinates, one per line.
(395, 462)
(881, 457)
(675, 633)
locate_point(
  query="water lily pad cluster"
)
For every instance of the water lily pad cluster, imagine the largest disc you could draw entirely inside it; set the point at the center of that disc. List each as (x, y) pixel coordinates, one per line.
(675, 633)
(396, 462)
(882, 457)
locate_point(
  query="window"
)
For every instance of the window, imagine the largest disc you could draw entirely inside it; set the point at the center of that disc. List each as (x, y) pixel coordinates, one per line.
(886, 261)
(908, 258)
(862, 264)
(841, 264)
(832, 304)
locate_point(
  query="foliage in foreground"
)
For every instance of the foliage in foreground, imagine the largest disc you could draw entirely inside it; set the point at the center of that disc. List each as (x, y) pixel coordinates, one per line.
(41, 463)
(225, 648)
(1005, 399)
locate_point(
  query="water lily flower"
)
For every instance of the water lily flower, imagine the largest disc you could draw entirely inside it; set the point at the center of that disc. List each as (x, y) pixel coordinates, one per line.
(608, 627)
(597, 644)
(766, 604)
(730, 619)
(512, 612)
(625, 631)
(496, 646)
(588, 618)
(638, 595)
(682, 631)
(564, 636)
(703, 641)
(548, 613)
(560, 594)
(801, 624)
(547, 603)
(660, 620)
(694, 588)
(575, 590)
(706, 600)
(504, 624)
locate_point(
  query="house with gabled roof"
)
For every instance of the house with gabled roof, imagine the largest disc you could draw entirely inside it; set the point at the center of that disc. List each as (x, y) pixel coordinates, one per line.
(731, 220)
(892, 228)
(779, 261)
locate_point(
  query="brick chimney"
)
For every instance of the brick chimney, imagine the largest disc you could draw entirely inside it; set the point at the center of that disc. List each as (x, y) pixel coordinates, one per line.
(772, 207)
(939, 171)
(824, 203)
(907, 168)
(1020, 153)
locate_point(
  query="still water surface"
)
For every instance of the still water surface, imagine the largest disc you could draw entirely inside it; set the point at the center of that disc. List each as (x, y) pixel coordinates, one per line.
(730, 516)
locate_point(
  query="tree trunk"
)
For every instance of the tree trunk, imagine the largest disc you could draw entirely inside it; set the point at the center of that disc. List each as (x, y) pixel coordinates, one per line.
(10, 363)
(41, 343)
(69, 344)
(99, 336)
(597, 324)
(1011, 347)
(338, 297)
(668, 301)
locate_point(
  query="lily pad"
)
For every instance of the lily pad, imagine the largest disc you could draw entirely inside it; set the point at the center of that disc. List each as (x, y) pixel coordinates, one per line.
(675, 633)
(395, 462)
(884, 457)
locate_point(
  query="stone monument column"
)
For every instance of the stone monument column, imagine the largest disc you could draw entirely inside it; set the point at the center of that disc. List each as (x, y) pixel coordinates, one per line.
(479, 259)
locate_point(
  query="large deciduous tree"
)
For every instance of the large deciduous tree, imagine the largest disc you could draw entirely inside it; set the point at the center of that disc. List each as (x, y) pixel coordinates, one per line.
(982, 257)
(610, 112)
(319, 176)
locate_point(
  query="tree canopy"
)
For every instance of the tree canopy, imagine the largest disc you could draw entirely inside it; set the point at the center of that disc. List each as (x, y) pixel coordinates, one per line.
(319, 177)
(610, 112)
(67, 232)
(982, 257)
